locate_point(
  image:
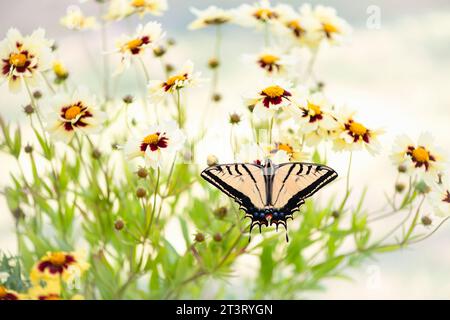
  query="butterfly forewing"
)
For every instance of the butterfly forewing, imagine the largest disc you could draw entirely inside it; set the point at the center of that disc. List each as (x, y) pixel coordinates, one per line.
(294, 182)
(243, 182)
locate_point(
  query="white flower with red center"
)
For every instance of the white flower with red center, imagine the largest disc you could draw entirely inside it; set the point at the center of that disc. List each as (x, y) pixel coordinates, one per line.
(185, 77)
(257, 14)
(76, 20)
(68, 115)
(292, 150)
(300, 25)
(332, 28)
(313, 113)
(146, 36)
(157, 145)
(120, 9)
(272, 60)
(24, 57)
(353, 135)
(211, 16)
(421, 157)
(271, 95)
(257, 154)
(439, 197)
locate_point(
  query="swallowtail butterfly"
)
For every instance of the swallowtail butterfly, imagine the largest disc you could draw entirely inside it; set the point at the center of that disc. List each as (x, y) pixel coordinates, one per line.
(270, 193)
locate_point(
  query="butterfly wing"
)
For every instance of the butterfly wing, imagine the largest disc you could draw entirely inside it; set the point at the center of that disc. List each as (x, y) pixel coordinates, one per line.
(244, 182)
(296, 181)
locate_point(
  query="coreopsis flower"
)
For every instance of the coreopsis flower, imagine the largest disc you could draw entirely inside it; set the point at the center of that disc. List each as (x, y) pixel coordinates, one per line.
(333, 29)
(6, 294)
(146, 36)
(270, 96)
(24, 57)
(313, 113)
(353, 135)
(272, 60)
(439, 197)
(211, 16)
(156, 144)
(76, 20)
(65, 266)
(48, 288)
(185, 77)
(421, 157)
(254, 153)
(257, 14)
(67, 115)
(292, 150)
(120, 9)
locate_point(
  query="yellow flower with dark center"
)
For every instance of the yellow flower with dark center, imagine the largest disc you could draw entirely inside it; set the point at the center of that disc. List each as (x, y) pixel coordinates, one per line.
(264, 14)
(314, 108)
(269, 59)
(286, 147)
(6, 294)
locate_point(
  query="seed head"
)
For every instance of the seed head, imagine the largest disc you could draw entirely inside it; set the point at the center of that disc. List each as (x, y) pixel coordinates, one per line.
(28, 148)
(141, 193)
(199, 237)
(221, 212)
(426, 220)
(128, 99)
(142, 173)
(235, 118)
(217, 237)
(28, 109)
(216, 97)
(399, 187)
(213, 63)
(119, 224)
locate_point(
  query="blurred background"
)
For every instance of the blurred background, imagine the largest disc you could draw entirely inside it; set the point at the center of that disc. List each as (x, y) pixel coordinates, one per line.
(397, 76)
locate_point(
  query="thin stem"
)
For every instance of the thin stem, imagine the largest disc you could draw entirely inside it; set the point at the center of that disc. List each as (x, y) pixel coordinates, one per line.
(312, 61)
(49, 85)
(144, 69)
(347, 188)
(180, 124)
(266, 35)
(270, 130)
(104, 43)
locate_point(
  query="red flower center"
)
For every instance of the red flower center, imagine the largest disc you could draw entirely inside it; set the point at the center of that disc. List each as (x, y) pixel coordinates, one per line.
(154, 141)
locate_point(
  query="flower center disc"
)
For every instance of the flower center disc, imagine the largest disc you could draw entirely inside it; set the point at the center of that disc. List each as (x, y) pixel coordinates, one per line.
(3, 291)
(421, 154)
(133, 44)
(358, 129)
(269, 59)
(18, 59)
(72, 112)
(314, 108)
(57, 258)
(286, 147)
(330, 28)
(273, 91)
(138, 3)
(171, 81)
(263, 14)
(151, 139)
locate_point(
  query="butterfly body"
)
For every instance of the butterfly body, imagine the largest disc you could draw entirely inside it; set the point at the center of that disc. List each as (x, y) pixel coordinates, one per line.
(270, 193)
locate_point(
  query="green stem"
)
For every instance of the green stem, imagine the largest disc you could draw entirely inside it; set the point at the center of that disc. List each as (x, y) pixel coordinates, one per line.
(180, 124)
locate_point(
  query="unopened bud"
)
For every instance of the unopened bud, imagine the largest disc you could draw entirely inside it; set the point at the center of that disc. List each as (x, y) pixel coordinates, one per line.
(235, 118)
(96, 154)
(399, 187)
(423, 188)
(141, 193)
(169, 67)
(221, 212)
(217, 237)
(128, 99)
(335, 214)
(142, 173)
(171, 42)
(216, 97)
(426, 220)
(119, 224)
(28, 148)
(212, 160)
(213, 63)
(28, 109)
(199, 237)
(37, 94)
(402, 168)
(159, 51)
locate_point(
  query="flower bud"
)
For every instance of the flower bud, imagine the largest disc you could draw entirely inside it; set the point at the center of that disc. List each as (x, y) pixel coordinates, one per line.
(335, 214)
(141, 193)
(399, 187)
(18, 214)
(422, 188)
(169, 68)
(426, 220)
(28, 148)
(199, 237)
(216, 97)
(37, 94)
(28, 109)
(142, 173)
(128, 99)
(171, 42)
(159, 51)
(217, 237)
(402, 168)
(119, 224)
(96, 154)
(235, 118)
(221, 212)
(212, 160)
(213, 63)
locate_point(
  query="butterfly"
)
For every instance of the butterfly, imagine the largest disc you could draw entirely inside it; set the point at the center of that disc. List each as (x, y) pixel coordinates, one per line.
(270, 193)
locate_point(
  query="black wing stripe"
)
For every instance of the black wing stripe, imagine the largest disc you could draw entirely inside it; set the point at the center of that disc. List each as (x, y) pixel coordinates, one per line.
(254, 181)
(288, 173)
(229, 171)
(237, 170)
(309, 169)
(238, 196)
(298, 198)
(300, 169)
